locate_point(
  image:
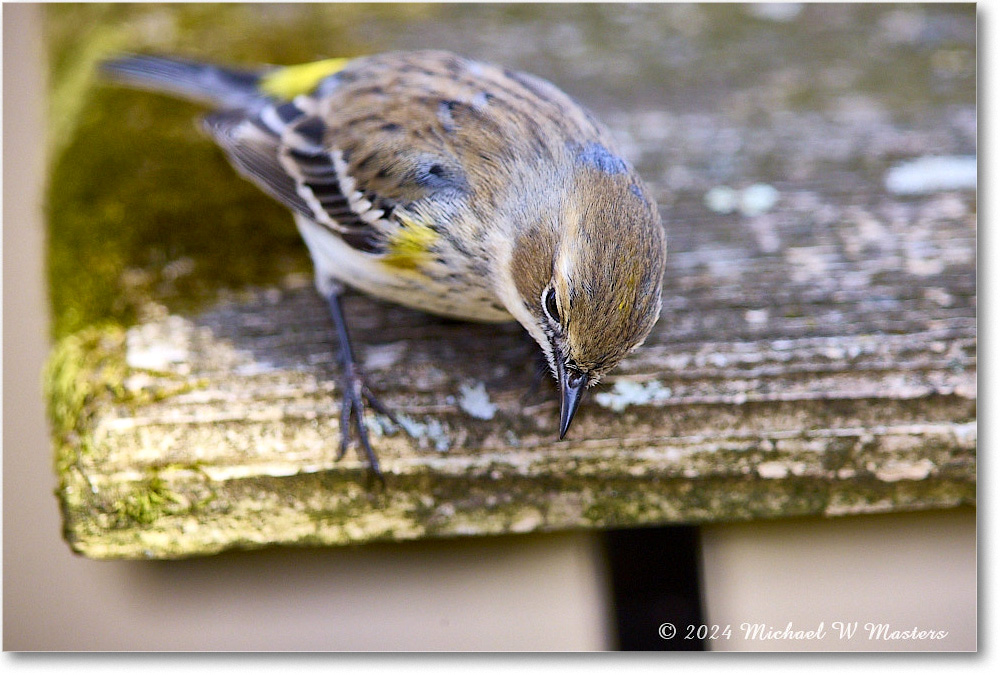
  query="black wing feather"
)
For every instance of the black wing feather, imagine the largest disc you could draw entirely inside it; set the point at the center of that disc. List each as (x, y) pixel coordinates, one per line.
(295, 170)
(255, 154)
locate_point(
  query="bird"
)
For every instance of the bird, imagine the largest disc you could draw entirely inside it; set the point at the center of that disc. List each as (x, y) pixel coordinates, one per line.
(446, 184)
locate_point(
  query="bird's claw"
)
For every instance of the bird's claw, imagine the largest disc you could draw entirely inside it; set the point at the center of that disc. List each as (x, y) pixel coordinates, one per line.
(352, 413)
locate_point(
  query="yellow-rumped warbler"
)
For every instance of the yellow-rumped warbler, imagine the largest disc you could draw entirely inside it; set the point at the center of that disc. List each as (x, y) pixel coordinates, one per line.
(448, 185)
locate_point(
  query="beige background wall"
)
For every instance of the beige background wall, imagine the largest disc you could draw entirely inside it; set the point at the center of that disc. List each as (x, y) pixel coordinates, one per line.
(529, 592)
(905, 570)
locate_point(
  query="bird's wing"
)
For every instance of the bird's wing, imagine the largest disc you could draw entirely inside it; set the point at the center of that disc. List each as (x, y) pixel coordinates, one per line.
(391, 136)
(280, 147)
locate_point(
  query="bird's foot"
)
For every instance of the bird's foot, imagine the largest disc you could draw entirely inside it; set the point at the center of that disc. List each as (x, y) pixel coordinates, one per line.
(357, 394)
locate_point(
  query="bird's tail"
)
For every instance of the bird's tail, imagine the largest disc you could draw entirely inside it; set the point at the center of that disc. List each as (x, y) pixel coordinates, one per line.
(222, 87)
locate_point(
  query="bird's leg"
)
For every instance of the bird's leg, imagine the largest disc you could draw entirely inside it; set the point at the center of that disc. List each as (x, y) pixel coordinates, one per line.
(356, 391)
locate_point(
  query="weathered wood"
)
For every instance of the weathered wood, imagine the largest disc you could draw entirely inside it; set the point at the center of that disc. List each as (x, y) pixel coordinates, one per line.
(776, 384)
(816, 355)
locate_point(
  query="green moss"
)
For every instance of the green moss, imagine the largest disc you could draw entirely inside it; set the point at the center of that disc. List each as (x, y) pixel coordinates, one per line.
(145, 503)
(157, 519)
(82, 369)
(142, 207)
(87, 372)
(171, 222)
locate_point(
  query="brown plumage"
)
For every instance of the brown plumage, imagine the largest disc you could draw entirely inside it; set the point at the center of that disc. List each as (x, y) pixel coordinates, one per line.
(452, 186)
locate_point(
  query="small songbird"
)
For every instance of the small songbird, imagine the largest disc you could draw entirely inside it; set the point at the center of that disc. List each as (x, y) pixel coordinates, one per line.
(448, 185)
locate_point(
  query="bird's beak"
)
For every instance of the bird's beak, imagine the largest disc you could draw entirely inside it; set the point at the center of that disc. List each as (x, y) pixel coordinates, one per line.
(571, 388)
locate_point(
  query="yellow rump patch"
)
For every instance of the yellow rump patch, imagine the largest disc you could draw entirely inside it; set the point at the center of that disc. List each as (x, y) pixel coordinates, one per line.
(409, 247)
(290, 81)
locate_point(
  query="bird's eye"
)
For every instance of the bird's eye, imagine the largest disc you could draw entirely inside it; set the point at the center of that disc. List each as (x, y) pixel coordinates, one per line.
(549, 303)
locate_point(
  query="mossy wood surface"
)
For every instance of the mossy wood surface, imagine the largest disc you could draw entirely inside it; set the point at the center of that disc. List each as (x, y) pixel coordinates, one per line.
(221, 429)
(816, 353)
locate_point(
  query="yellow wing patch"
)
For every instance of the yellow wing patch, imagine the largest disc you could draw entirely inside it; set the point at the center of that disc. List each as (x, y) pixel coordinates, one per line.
(409, 247)
(291, 81)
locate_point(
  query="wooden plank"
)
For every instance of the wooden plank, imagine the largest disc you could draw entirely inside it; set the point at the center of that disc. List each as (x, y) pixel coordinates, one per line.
(816, 352)
(803, 392)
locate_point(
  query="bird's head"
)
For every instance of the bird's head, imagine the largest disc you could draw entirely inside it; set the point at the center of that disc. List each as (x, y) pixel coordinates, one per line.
(588, 280)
